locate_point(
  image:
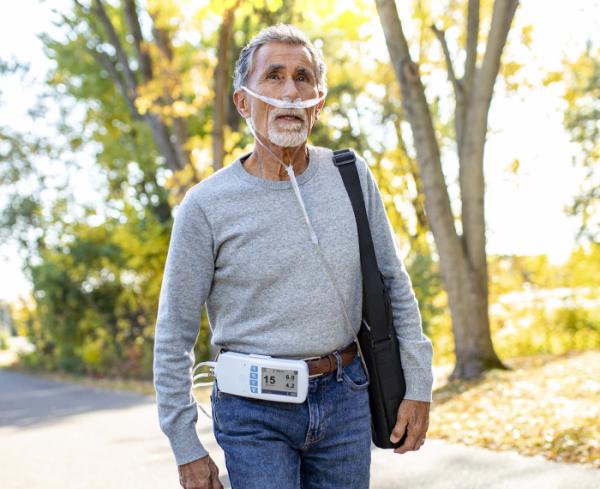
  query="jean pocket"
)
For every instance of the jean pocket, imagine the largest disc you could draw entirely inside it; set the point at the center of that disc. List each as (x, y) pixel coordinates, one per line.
(354, 376)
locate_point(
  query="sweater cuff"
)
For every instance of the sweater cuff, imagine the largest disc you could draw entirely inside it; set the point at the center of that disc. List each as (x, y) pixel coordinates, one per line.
(186, 446)
(419, 384)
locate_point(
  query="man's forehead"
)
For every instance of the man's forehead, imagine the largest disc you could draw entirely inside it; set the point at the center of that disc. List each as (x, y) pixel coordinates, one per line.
(284, 55)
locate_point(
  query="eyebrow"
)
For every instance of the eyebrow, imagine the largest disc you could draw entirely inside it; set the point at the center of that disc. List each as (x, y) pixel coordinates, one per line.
(306, 72)
(272, 68)
(278, 67)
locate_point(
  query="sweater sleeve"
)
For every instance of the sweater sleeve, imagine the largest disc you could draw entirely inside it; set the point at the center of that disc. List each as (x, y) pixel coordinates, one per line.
(185, 286)
(416, 350)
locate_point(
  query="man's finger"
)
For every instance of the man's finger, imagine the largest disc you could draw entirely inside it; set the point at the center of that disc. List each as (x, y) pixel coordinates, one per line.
(215, 482)
(409, 443)
(399, 429)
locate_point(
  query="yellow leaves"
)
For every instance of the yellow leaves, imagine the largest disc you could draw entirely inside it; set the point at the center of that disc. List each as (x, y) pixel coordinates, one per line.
(143, 103)
(163, 99)
(584, 266)
(510, 70)
(553, 77)
(181, 109)
(350, 22)
(581, 92)
(165, 13)
(526, 35)
(57, 78)
(513, 167)
(232, 139)
(201, 160)
(544, 407)
(181, 180)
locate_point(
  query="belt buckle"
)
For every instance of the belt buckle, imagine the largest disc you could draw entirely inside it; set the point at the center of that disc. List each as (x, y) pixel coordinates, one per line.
(307, 360)
(319, 358)
(315, 358)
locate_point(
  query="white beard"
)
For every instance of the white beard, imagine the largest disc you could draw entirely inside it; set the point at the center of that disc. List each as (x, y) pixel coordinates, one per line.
(287, 138)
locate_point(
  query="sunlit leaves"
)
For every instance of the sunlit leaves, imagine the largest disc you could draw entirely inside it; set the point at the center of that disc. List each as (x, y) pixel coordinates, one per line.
(527, 35)
(582, 120)
(547, 406)
(362, 111)
(553, 77)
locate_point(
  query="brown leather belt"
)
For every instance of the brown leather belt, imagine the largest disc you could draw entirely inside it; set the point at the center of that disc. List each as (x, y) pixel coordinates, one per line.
(327, 364)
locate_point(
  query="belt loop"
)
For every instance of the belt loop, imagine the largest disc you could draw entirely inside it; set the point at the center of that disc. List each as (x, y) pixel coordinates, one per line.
(338, 360)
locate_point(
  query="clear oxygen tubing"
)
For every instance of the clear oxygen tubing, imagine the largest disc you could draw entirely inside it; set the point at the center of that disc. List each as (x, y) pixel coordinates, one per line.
(290, 171)
(210, 373)
(347, 322)
(319, 251)
(313, 237)
(286, 104)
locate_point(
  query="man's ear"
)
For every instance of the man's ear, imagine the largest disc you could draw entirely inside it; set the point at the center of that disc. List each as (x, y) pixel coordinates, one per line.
(240, 99)
(319, 105)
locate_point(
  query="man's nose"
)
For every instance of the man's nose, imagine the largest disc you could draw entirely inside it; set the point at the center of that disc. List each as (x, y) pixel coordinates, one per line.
(290, 90)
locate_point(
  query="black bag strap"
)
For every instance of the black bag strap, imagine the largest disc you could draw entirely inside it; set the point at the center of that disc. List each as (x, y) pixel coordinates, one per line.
(374, 307)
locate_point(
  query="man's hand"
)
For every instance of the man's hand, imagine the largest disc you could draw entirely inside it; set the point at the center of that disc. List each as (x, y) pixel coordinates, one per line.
(200, 474)
(413, 416)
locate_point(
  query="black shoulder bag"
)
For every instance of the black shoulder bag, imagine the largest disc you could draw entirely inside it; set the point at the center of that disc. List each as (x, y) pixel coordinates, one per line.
(377, 336)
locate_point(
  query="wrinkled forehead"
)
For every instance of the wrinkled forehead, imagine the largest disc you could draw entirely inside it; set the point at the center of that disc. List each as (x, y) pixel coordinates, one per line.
(283, 56)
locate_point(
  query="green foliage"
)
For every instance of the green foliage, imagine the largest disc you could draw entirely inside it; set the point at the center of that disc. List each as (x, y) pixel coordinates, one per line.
(535, 307)
(537, 329)
(96, 287)
(582, 121)
(542, 308)
(96, 283)
(96, 296)
(3, 341)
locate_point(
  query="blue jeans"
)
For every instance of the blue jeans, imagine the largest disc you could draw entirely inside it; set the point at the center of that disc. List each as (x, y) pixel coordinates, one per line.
(323, 443)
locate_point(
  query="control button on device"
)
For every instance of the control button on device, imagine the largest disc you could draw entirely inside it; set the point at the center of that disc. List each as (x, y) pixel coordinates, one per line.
(254, 375)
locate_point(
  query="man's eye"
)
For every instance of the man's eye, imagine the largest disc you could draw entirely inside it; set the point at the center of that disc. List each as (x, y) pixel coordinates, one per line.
(301, 78)
(273, 76)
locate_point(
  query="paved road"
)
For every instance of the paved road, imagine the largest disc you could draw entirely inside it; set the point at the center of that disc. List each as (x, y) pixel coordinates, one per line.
(58, 435)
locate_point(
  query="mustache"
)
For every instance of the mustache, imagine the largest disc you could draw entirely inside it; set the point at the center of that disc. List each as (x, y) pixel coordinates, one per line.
(278, 112)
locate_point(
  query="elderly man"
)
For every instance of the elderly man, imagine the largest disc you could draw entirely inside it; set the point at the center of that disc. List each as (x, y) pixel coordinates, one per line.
(250, 242)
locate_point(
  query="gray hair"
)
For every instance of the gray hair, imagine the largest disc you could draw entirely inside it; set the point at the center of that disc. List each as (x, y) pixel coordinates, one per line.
(285, 33)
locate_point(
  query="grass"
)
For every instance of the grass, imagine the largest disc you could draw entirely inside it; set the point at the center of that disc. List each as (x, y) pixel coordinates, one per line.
(549, 405)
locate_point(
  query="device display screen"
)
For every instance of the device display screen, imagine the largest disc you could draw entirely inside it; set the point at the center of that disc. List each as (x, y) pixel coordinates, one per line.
(279, 381)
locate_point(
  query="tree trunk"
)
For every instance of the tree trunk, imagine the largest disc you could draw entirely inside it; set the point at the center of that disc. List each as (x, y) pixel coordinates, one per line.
(222, 83)
(170, 141)
(463, 263)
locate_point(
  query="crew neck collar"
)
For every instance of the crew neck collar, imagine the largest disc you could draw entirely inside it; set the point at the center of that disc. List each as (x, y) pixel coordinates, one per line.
(306, 175)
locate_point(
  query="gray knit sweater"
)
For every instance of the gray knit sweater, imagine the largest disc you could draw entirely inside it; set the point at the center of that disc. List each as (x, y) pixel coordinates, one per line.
(241, 245)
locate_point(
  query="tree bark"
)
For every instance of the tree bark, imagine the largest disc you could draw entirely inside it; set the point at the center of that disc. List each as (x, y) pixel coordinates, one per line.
(221, 85)
(463, 264)
(170, 142)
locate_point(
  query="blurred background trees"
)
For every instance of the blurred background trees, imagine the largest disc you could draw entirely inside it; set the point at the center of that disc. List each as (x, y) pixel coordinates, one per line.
(461, 240)
(143, 90)
(582, 121)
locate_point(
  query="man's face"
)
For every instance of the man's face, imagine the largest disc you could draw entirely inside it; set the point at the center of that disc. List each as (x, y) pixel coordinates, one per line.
(282, 71)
